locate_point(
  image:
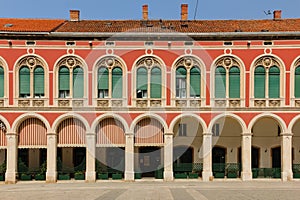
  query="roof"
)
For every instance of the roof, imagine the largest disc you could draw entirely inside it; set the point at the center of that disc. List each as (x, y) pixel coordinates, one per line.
(29, 25)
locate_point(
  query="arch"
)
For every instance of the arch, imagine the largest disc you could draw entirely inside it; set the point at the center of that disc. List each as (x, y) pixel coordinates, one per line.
(192, 115)
(143, 116)
(230, 115)
(295, 69)
(109, 115)
(61, 118)
(278, 119)
(25, 116)
(292, 123)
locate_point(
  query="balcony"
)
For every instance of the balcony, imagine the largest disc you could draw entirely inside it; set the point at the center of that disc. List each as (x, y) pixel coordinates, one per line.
(149, 102)
(228, 102)
(108, 102)
(69, 102)
(267, 102)
(189, 102)
(31, 102)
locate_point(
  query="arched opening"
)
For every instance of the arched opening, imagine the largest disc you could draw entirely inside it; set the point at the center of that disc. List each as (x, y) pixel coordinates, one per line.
(3, 146)
(296, 149)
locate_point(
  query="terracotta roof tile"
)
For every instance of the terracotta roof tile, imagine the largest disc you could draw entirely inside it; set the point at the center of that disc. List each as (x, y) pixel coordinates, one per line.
(29, 25)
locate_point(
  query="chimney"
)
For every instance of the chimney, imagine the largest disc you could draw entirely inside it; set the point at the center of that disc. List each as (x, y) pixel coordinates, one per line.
(145, 12)
(184, 11)
(74, 15)
(277, 15)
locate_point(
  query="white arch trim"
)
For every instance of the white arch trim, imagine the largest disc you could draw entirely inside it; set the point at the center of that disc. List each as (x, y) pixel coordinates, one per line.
(25, 116)
(228, 115)
(268, 115)
(107, 116)
(194, 116)
(6, 123)
(292, 123)
(148, 115)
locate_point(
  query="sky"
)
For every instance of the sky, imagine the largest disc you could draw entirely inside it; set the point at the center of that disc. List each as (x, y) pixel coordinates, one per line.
(158, 9)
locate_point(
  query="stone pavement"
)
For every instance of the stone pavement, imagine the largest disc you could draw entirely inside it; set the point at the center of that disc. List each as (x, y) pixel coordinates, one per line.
(152, 189)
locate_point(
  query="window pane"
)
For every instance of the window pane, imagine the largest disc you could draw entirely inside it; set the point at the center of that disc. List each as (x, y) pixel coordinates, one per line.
(38, 81)
(195, 82)
(117, 83)
(297, 82)
(1, 82)
(234, 82)
(259, 82)
(103, 78)
(155, 87)
(24, 82)
(64, 79)
(220, 82)
(181, 82)
(78, 82)
(142, 79)
(274, 82)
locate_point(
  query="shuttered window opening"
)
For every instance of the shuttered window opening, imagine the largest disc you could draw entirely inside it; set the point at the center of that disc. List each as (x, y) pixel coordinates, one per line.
(71, 133)
(234, 82)
(181, 82)
(274, 82)
(117, 83)
(102, 82)
(39, 81)
(142, 83)
(149, 132)
(155, 86)
(110, 132)
(259, 82)
(195, 82)
(64, 82)
(24, 82)
(297, 82)
(32, 134)
(220, 82)
(3, 142)
(78, 82)
(1, 82)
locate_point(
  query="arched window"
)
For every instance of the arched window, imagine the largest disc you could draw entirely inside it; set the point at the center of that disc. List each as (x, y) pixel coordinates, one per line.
(117, 82)
(102, 82)
(1, 82)
(155, 87)
(220, 82)
(234, 82)
(195, 82)
(64, 82)
(259, 82)
(24, 82)
(142, 83)
(274, 82)
(78, 82)
(181, 82)
(297, 82)
(38, 81)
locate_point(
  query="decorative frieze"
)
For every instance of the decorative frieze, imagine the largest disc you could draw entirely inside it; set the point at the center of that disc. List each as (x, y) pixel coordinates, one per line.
(181, 103)
(102, 103)
(77, 103)
(63, 103)
(117, 103)
(235, 103)
(195, 103)
(155, 103)
(220, 103)
(38, 103)
(24, 103)
(260, 103)
(141, 103)
(274, 103)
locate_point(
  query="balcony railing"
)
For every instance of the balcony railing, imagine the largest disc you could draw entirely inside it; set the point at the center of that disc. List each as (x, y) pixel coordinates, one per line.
(31, 102)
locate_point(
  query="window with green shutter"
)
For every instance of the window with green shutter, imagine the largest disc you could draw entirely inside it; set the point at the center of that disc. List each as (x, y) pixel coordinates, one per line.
(78, 82)
(39, 81)
(155, 85)
(195, 82)
(117, 82)
(274, 82)
(64, 82)
(24, 81)
(259, 82)
(102, 82)
(297, 82)
(1, 82)
(234, 82)
(181, 82)
(141, 83)
(220, 82)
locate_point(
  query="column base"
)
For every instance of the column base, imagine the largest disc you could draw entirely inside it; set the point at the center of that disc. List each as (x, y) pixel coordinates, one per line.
(286, 176)
(168, 176)
(10, 178)
(51, 177)
(129, 176)
(246, 176)
(90, 177)
(207, 176)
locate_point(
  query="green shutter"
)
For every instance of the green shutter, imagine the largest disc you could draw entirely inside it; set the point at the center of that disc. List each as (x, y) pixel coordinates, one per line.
(220, 82)
(64, 78)
(103, 78)
(195, 82)
(1, 82)
(181, 82)
(297, 82)
(155, 87)
(117, 83)
(234, 82)
(274, 82)
(78, 82)
(259, 82)
(181, 72)
(142, 79)
(24, 80)
(38, 80)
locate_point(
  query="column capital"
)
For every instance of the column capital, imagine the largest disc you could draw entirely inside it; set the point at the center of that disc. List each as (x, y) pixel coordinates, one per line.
(11, 134)
(129, 133)
(207, 133)
(286, 134)
(90, 134)
(51, 133)
(247, 134)
(169, 133)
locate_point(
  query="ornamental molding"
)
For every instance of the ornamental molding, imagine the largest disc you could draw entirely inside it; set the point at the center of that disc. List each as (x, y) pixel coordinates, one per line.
(228, 62)
(148, 62)
(109, 62)
(30, 61)
(70, 62)
(188, 62)
(267, 62)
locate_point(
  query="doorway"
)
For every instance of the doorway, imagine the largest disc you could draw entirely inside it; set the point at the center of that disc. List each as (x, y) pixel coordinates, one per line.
(149, 160)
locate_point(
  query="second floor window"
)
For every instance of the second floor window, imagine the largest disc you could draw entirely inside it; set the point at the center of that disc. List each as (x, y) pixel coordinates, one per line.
(102, 82)
(1, 82)
(142, 83)
(24, 82)
(64, 82)
(297, 82)
(227, 83)
(38, 81)
(181, 82)
(78, 82)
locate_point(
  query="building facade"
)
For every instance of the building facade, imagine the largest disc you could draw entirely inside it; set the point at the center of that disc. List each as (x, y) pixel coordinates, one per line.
(160, 98)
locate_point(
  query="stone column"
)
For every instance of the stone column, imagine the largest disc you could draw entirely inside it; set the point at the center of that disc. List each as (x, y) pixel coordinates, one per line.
(129, 157)
(246, 174)
(90, 174)
(207, 157)
(168, 157)
(51, 174)
(286, 157)
(12, 157)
